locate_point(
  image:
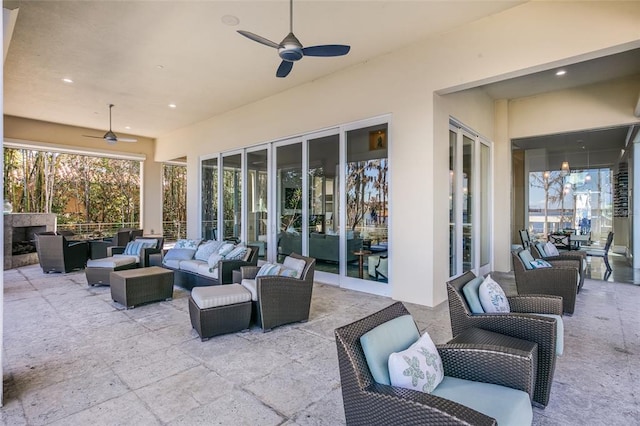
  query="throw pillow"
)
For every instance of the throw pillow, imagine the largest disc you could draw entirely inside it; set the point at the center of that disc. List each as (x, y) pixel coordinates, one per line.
(179, 254)
(190, 244)
(213, 261)
(268, 269)
(295, 264)
(287, 272)
(471, 294)
(207, 249)
(492, 296)
(418, 368)
(134, 248)
(225, 249)
(236, 253)
(551, 249)
(540, 263)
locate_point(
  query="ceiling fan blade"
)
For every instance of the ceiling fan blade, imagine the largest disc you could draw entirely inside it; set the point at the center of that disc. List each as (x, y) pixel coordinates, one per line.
(326, 50)
(284, 69)
(127, 140)
(97, 137)
(259, 39)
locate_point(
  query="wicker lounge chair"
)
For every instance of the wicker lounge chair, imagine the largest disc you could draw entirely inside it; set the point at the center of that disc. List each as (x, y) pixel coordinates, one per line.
(562, 279)
(279, 300)
(369, 403)
(521, 323)
(579, 258)
(57, 254)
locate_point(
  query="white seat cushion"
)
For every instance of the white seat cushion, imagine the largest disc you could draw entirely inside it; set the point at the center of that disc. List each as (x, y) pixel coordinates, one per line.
(220, 295)
(252, 286)
(172, 263)
(192, 265)
(111, 262)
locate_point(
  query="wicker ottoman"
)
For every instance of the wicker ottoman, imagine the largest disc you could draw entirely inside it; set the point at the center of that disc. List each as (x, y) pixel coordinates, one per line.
(134, 287)
(219, 309)
(98, 271)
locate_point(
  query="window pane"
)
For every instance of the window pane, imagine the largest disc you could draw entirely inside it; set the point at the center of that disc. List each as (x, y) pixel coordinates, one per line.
(324, 243)
(209, 198)
(467, 203)
(453, 235)
(367, 200)
(232, 196)
(257, 187)
(289, 199)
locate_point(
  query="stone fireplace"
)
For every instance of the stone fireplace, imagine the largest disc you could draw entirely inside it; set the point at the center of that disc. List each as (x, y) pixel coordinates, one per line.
(19, 237)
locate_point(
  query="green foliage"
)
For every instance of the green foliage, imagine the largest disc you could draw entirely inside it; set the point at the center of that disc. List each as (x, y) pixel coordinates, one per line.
(78, 188)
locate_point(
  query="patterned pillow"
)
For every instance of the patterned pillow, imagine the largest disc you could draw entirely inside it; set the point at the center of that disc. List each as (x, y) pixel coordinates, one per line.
(225, 249)
(540, 263)
(237, 253)
(551, 249)
(207, 249)
(288, 272)
(268, 269)
(134, 248)
(190, 244)
(492, 296)
(213, 261)
(419, 367)
(295, 264)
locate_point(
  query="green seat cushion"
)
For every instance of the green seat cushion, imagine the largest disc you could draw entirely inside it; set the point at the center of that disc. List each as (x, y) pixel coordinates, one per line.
(470, 291)
(380, 342)
(559, 332)
(510, 407)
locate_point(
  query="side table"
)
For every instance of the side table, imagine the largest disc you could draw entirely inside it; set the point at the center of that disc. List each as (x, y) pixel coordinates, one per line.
(361, 254)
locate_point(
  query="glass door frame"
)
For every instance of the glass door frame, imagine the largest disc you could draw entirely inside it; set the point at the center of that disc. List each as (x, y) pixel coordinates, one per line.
(477, 268)
(353, 283)
(245, 203)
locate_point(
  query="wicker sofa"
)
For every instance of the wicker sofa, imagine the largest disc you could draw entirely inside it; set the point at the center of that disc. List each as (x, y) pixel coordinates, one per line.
(194, 270)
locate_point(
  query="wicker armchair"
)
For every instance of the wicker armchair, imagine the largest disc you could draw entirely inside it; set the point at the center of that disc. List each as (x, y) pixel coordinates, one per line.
(369, 403)
(279, 300)
(57, 254)
(521, 323)
(563, 280)
(146, 252)
(578, 257)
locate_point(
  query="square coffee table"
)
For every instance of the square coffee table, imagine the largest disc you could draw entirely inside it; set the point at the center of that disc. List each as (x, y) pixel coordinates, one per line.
(133, 287)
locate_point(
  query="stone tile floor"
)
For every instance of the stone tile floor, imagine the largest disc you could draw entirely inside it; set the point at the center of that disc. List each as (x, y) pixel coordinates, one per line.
(74, 357)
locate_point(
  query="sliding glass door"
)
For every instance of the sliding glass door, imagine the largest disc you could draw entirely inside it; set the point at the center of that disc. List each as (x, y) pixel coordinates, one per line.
(257, 199)
(469, 202)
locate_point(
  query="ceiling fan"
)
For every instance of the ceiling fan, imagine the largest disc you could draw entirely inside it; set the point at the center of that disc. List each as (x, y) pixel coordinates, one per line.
(111, 137)
(291, 50)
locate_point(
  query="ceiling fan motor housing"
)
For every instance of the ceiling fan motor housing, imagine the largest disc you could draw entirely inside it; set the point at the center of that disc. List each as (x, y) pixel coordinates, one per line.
(290, 49)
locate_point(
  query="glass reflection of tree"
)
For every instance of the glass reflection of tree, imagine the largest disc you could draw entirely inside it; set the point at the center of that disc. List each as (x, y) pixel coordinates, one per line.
(367, 192)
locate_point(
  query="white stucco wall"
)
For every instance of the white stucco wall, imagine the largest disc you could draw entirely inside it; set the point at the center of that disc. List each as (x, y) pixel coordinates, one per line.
(527, 38)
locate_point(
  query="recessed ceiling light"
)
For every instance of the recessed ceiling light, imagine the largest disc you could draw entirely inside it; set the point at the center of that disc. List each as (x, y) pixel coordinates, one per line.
(127, 127)
(67, 80)
(230, 20)
(160, 67)
(173, 106)
(560, 73)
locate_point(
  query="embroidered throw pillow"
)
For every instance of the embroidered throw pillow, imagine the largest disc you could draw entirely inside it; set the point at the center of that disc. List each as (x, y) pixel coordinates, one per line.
(492, 296)
(287, 272)
(540, 263)
(419, 367)
(207, 249)
(268, 269)
(190, 244)
(551, 250)
(295, 264)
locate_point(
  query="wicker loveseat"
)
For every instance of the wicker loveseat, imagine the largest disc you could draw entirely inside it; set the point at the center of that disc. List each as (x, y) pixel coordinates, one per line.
(367, 402)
